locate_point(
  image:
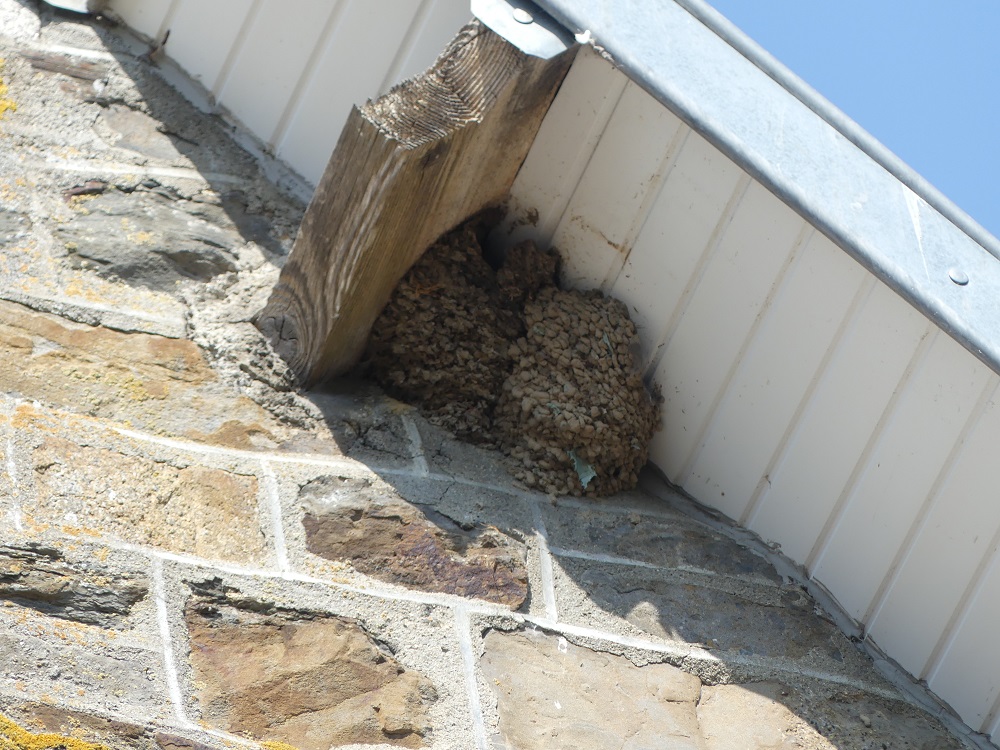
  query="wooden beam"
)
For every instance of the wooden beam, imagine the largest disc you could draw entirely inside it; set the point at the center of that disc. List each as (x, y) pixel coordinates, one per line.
(408, 167)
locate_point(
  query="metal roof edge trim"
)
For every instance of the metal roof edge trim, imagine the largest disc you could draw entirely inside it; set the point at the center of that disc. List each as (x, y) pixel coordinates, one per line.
(835, 117)
(765, 119)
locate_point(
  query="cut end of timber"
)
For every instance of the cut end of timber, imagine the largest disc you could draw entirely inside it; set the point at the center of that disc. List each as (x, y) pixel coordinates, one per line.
(408, 168)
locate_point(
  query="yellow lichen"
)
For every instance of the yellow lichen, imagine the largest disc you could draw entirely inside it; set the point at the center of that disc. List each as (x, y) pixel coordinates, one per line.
(275, 745)
(15, 737)
(5, 104)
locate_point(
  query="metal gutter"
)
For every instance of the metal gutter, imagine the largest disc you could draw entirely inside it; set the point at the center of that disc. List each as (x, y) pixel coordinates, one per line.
(813, 157)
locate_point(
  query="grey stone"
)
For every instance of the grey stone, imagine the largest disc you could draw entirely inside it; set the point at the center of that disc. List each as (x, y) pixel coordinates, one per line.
(153, 243)
(552, 694)
(13, 227)
(39, 577)
(670, 541)
(744, 621)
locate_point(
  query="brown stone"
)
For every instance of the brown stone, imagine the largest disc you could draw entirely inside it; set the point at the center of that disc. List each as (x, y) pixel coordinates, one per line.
(308, 680)
(39, 577)
(147, 382)
(553, 694)
(196, 510)
(386, 537)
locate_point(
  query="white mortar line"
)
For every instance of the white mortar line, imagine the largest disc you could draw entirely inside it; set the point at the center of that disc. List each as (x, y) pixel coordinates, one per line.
(462, 628)
(403, 595)
(169, 666)
(102, 167)
(274, 511)
(65, 49)
(545, 564)
(15, 495)
(306, 459)
(417, 445)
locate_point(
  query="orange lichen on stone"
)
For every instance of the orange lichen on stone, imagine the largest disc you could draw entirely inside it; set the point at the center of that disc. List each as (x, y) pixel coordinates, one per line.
(15, 737)
(5, 104)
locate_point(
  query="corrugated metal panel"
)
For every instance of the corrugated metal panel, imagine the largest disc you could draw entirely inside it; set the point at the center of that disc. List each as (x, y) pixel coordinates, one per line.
(290, 75)
(803, 397)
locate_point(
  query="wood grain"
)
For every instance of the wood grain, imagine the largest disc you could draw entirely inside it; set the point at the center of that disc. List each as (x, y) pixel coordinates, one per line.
(408, 167)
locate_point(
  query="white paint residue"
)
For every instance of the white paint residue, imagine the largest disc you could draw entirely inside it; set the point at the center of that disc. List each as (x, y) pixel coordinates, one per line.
(913, 206)
(417, 445)
(462, 627)
(563, 645)
(169, 665)
(15, 512)
(545, 563)
(274, 511)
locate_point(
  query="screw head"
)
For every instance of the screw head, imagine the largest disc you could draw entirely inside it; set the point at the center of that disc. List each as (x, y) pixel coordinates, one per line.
(522, 16)
(959, 276)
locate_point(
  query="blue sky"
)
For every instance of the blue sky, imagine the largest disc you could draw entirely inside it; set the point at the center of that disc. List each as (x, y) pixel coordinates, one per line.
(922, 76)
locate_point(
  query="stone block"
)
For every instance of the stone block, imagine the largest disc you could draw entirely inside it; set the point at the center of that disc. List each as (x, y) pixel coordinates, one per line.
(368, 524)
(812, 716)
(37, 725)
(742, 624)
(148, 382)
(667, 539)
(303, 678)
(39, 577)
(552, 694)
(195, 510)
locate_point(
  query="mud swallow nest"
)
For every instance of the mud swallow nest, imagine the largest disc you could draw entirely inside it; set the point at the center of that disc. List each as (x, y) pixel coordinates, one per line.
(506, 358)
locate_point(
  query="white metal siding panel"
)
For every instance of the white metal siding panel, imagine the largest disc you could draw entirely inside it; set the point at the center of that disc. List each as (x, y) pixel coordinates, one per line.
(969, 670)
(290, 74)
(615, 192)
(780, 365)
(562, 148)
(665, 258)
(838, 423)
(145, 16)
(271, 60)
(833, 416)
(946, 550)
(437, 23)
(924, 429)
(700, 356)
(202, 36)
(357, 44)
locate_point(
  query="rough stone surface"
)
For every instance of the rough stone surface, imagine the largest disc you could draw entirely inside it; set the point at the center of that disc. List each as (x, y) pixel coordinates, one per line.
(160, 384)
(195, 510)
(664, 540)
(552, 694)
(744, 620)
(33, 726)
(811, 717)
(302, 678)
(384, 536)
(158, 244)
(38, 577)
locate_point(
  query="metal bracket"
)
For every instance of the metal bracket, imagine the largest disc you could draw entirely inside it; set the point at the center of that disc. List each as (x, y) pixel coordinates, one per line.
(525, 25)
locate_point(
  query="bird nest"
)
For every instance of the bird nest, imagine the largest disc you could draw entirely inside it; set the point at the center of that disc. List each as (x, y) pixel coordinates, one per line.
(505, 358)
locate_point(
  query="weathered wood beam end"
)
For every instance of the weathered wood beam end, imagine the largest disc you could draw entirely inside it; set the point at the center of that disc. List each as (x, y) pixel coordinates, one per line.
(407, 168)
